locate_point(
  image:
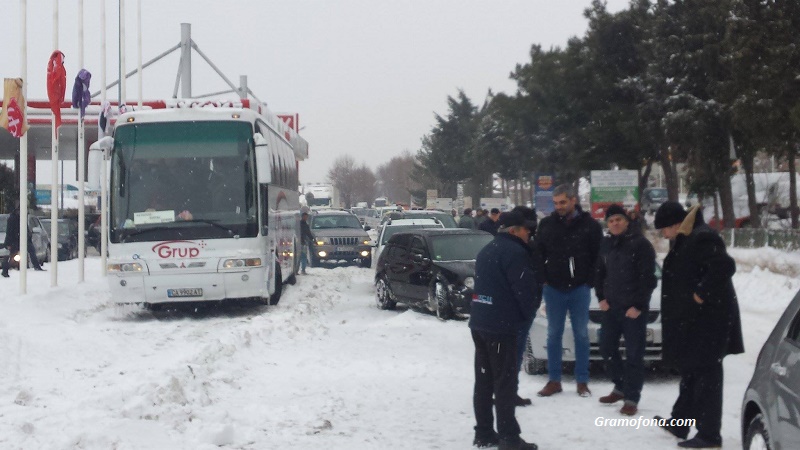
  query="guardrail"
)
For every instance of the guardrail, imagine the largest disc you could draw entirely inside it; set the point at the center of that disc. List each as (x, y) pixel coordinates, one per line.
(788, 240)
(760, 237)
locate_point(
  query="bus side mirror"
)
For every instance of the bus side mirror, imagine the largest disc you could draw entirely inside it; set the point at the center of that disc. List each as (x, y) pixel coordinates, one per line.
(98, 152)
(262, 159)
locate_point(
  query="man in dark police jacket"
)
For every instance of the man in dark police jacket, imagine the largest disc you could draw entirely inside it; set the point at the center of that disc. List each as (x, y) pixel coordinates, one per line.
(506, 297)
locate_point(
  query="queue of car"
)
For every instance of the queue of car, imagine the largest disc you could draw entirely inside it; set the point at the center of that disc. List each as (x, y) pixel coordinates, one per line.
(39, 237)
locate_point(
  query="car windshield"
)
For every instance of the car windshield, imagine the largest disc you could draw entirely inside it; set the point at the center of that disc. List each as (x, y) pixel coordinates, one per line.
(63, 227)
(460, 247)
(658, 193)
(322, 222)
(390, 231)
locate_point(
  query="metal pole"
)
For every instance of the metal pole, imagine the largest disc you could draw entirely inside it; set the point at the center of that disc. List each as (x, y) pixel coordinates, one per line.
(81, 160)
(53, 176)
(23, 153)
(139, 39)
(122, 80)
(186, 60)
(103, 214)
(102, 58)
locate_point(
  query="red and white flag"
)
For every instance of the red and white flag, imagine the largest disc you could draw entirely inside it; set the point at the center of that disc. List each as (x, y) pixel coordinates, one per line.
(12, 118)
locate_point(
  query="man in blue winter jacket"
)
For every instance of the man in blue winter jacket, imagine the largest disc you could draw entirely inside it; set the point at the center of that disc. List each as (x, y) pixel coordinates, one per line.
(506, 297)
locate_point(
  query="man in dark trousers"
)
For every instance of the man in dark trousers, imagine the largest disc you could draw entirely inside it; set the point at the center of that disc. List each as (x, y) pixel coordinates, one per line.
(567, 242)
(504, 300)
(306, 241)
(490, 223)
(624, 283)
(700, 319)
(12, 243)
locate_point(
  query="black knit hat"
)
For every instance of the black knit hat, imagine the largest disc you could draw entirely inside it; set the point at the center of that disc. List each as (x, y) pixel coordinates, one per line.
(615, 210)
(669, 213)
(511, 219)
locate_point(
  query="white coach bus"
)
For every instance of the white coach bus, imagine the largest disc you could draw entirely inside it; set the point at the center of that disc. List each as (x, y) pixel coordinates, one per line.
(203, 205)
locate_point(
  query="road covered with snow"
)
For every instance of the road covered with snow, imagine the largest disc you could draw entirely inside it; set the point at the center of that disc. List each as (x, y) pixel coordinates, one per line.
(323, 369)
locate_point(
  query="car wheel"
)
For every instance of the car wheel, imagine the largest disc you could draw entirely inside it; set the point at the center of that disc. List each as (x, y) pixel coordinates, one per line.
(366, 263)
(532, 365)
(383, 295)
(757, 437)
(439, 302)
(276, 296)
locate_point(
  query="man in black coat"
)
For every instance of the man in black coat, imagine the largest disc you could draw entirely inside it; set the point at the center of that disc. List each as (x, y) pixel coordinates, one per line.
(700, 319)
(504, 300)
(490, 223)
(13, 246)
(567, 242)
(624, 283)
(306, 241)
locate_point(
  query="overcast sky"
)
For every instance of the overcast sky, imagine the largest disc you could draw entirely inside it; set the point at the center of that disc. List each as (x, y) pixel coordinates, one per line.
(366, 76)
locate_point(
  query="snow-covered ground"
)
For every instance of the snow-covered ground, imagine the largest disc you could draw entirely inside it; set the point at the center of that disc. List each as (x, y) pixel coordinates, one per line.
(325, 369)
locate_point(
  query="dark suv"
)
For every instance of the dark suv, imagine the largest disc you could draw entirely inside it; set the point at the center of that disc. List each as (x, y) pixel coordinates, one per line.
(771, 406)
(432, 267)
(338, 235)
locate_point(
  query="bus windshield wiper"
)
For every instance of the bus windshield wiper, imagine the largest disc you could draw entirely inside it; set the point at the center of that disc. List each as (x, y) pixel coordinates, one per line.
(210, 222)
(126, 233)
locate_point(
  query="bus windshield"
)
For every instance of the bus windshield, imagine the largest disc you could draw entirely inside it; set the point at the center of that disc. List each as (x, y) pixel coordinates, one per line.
(183, 180)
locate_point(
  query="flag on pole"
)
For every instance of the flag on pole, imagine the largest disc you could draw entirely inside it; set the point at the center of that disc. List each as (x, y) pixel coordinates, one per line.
(12, 118)
(80, 91)
(56, 84)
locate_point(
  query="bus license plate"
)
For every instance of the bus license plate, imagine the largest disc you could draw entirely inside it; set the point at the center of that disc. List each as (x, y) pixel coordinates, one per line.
(187, 292)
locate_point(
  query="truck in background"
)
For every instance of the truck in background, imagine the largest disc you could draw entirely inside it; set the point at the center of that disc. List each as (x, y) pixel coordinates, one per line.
(321, 195)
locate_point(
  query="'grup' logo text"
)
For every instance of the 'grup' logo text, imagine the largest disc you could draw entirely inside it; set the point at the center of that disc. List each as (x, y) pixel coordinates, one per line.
(178, 249)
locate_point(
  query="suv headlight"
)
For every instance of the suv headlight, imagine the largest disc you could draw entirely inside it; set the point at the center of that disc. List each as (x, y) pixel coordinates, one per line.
(469, 282)
(321, 241)
(125, 267)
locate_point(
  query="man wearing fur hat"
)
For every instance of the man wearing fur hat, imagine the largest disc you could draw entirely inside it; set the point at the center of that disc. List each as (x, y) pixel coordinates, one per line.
(700, 319)
(624, 282)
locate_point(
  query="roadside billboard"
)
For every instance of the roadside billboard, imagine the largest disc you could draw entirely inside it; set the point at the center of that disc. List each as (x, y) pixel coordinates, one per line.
(613, 186)
(499, 203)
(543, 195)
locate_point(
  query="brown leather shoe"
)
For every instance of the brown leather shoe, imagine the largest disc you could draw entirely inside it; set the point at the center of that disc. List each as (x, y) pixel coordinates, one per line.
(628, 409)
(583, 390)
(613, 397)
(552, 387)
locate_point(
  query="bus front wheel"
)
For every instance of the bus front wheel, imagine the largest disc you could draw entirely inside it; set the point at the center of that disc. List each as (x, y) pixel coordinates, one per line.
(276, 296)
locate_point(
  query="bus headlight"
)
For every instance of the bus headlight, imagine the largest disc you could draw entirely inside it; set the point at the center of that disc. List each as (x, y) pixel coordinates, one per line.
(469, 282)
(125, 267)
(237, 263)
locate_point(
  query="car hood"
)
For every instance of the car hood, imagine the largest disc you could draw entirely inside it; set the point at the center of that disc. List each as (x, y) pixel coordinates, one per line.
(340, 232)
(462, 269)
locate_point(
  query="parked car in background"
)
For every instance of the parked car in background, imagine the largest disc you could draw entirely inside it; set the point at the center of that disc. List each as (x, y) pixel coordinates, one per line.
(339, 236)
(39, 237)
(372, 218)
(535, 356)
(67, 238)
(652, 198)
(430, 268)
(445, 218)
(391, 227)
(771, 405)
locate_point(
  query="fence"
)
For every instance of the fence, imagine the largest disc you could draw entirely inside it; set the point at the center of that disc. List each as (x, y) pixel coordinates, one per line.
(760, 237)
(788, 240)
